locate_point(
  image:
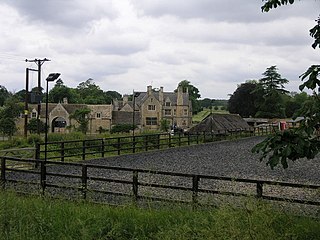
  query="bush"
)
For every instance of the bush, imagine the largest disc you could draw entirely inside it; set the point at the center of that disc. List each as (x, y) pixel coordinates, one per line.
(121, 128)
(33, 139)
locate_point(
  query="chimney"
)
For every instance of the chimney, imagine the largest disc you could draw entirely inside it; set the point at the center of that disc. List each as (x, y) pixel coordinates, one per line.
(149, 90)
(65, 100)
(161, 95)
(180, 96)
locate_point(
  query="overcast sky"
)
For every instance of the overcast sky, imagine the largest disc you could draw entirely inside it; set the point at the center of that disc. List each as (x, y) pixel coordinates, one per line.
(129, 44)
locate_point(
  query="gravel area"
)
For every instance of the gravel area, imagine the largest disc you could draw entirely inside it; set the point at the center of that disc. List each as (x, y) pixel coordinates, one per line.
(227, 158)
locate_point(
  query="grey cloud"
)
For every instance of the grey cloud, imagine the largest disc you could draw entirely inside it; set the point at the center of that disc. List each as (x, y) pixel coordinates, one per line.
(224, 10)
(75, 13)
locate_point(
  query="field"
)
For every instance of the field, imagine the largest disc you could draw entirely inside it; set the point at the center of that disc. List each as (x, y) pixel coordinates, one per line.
(205, 112)
(41, 218)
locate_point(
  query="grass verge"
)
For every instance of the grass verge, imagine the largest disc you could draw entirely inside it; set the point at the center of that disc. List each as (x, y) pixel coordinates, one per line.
(43, 218)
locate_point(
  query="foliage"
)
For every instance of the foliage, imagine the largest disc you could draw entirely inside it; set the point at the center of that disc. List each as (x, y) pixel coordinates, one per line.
(164, 125)
(242, 101)
(302, 142)
(122, 128)
(81, 115)
(32, 126)
(42, 218)
(8, 115)
(4, 94)
(33, 139)
(271, 87)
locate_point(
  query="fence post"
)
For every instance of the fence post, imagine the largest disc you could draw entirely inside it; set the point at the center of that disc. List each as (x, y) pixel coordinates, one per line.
(169, 140)
(102, 147)
(195, 188)
(3, 173)
(133, 144)
(179, 139)
(37, 155)
(204, 136)
(259, 189)
(135, 183)
(158, 141)
(188, 139)
(197, 138)
(84, 178)
(84, 150)
(43, 176)
(146, 143)
(119, 146)
(62, 151)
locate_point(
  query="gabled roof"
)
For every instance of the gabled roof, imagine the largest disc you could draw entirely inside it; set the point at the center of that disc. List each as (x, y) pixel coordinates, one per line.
(220, 123)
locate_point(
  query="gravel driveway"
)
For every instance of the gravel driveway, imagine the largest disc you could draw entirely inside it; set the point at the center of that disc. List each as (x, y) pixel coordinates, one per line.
(227, 158)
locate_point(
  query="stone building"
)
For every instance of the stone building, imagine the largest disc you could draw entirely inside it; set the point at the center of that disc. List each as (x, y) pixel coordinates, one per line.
(149, 109)
(152, 106)
(59, 117)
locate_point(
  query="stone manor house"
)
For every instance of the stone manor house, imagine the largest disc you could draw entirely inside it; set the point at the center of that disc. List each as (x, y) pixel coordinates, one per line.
(146, 110)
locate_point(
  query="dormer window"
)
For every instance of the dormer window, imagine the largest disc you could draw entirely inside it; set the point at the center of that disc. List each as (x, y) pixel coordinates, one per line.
(168, 104)
(98, 115)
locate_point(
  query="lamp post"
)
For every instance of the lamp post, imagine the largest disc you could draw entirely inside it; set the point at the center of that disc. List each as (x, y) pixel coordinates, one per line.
(52, 77)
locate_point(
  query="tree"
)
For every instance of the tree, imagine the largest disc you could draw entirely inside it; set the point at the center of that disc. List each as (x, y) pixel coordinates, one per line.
(242, 101)
(82, 118)
(302, 142)
(271, 86)
(4, 94)
(60, 91)
(194, 94)
(90, 93)
(8, 115)
(32, 126)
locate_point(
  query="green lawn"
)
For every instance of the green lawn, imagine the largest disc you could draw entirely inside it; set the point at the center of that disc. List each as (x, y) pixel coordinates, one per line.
(43, 218)
(205, 112)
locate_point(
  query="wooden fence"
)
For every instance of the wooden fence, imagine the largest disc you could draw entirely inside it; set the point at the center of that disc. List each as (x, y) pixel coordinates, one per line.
(123, 185)
(100, 148)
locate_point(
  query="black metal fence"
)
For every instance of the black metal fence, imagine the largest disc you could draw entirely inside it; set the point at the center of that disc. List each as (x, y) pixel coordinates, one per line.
(119, 185)
(99, 148)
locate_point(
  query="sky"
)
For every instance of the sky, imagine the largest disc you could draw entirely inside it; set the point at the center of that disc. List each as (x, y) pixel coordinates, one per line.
(126, 45)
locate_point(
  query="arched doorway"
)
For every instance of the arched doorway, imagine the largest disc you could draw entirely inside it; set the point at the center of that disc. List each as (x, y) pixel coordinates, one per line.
(59, 125)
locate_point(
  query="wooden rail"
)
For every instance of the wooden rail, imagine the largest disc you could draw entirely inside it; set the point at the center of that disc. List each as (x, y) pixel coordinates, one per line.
(88, 180)
(96, 148)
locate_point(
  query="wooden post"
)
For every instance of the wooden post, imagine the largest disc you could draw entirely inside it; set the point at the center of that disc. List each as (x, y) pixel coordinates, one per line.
(62, 151)
(119, 146)
(84, 178)
(195, 188)
(3, 173)
(43, 177)
(84, 150)
(102, 147)
(133, 144)
(135, 183)
(259, 189)
(37, 155)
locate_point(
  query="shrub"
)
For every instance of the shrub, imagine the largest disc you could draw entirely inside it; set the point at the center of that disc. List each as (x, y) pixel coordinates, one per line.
(120, 128)
(33, 139)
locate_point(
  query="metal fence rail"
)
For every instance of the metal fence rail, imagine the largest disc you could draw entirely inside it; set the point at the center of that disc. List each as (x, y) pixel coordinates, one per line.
(104, 183)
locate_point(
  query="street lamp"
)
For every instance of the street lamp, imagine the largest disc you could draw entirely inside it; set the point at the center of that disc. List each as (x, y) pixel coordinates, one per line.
(52, 77)
(134, 95)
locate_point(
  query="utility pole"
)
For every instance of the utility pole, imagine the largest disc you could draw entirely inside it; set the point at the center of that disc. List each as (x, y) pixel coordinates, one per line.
(26, 112)
(39, 62)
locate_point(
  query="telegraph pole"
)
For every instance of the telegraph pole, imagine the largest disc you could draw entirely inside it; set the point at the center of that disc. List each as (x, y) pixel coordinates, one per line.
(39, 62)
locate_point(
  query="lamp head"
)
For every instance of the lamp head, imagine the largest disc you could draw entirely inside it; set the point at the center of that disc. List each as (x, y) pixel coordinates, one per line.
(52, 77)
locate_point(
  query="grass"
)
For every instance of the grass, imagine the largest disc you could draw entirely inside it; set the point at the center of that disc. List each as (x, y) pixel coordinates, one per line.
(42, 218)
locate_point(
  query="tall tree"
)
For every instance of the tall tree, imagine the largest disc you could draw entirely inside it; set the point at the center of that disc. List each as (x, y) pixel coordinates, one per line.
(272, 88)
(194, 94)
(242, 101)
(303, 142)
(60, 91)
(90, 93)
(4, 94)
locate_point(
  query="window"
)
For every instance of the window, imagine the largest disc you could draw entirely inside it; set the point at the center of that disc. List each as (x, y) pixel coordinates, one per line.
(33, 115)
(98, 115)
(185, 112)
(168, 104)
(167, 112)
(174, 112)
(151, 121)
(151, 107)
